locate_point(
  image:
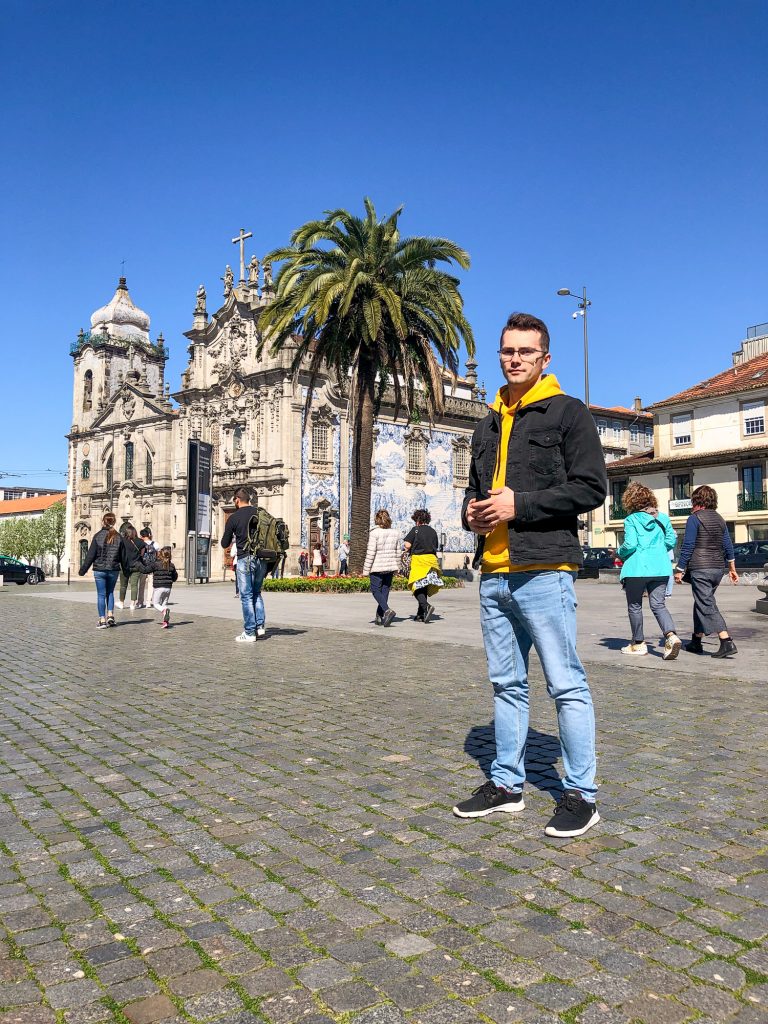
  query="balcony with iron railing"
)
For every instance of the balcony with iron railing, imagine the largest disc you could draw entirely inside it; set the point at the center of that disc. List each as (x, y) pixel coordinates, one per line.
(753, 501)
(618, 512)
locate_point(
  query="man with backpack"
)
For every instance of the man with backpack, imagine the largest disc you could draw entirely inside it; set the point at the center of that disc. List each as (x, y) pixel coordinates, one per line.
(252, 565)
(148, 559)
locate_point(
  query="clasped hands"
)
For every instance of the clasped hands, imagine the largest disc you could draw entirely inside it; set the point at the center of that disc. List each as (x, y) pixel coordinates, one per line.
(483, 516)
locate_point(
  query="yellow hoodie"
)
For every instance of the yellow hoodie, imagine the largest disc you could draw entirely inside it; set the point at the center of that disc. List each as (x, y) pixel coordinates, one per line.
(496, 549)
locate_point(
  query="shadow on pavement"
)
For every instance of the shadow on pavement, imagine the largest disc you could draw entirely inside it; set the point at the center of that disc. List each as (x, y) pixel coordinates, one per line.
(541, 755)
(613, 643)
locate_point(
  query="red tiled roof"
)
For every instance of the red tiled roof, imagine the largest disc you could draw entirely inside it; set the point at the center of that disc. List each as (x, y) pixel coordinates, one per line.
(747, 376)
(622, 410)
(22, 505)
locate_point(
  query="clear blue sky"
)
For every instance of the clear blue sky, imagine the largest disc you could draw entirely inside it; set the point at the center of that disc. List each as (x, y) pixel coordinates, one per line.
(621, 146)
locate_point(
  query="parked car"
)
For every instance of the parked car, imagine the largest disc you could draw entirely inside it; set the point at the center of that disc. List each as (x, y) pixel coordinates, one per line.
(751, 554)
(602, 558)
(14, 571)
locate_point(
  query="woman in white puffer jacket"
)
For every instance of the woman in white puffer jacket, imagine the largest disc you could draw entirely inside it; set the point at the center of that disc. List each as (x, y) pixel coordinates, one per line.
(382, 560)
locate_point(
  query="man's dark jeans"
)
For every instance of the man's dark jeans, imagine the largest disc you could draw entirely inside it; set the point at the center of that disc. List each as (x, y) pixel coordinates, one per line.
(380, 586)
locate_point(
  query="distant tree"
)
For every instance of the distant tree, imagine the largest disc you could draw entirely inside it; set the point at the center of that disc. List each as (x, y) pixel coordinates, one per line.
(10, 538)
(53, 524)
(353, 296)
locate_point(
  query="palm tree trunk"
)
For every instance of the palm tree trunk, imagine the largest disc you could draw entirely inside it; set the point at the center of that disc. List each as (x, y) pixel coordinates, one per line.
(362, 457)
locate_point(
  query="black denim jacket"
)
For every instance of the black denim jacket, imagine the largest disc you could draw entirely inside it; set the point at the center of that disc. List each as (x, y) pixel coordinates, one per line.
(555, 466)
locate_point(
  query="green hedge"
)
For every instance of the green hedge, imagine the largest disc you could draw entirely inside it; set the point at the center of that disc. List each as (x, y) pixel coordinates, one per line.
(339, 584)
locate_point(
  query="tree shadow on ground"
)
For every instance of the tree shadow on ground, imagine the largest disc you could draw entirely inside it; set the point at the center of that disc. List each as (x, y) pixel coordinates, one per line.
(541, 755)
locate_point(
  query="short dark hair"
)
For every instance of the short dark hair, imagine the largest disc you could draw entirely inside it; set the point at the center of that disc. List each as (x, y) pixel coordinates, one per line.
(242, 495)
(526, 322)
(704, 497)
(421, 517)
(146, 532)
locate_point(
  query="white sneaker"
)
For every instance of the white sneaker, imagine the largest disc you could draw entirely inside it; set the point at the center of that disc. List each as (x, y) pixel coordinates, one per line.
(635, 648)
(133, 606)
(118, 604)
(672, 645)
(260, 631)
(243, 638)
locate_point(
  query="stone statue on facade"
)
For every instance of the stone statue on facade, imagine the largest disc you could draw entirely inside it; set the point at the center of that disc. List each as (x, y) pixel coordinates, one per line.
(200, 309)
(229, 280)
(268, 282)
(253, 272)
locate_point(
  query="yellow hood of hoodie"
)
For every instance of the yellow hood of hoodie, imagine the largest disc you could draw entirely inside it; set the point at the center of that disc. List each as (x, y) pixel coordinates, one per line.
(496, 549)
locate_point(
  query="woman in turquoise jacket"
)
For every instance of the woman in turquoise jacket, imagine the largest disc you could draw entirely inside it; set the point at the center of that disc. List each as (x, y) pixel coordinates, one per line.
(648, 539)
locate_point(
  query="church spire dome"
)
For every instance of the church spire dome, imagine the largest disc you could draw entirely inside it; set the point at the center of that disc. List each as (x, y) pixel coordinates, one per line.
(121, 315)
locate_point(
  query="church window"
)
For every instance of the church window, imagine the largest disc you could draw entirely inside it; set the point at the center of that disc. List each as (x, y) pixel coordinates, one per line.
(83, 545)
(85, 470)
(237, 442)
(320, 442)
(461, 456)
(148, 473)
(416, 458)
(88, 390)
(109, 474)
(215, 443)
(129, 460)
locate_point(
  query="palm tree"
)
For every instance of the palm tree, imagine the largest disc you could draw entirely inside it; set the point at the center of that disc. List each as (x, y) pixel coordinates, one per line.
(353, 296)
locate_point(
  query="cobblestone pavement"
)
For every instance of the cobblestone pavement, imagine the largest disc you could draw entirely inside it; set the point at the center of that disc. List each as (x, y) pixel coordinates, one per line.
(194, 830)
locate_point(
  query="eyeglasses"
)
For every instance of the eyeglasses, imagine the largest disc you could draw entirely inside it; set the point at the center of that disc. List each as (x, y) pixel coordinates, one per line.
(528, 355)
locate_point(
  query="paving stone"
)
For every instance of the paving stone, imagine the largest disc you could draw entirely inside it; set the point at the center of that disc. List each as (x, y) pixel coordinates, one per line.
(147, 1011)
(719, 972)
(346, 998)
(409, 945)
(323, 974)
(380, 1015)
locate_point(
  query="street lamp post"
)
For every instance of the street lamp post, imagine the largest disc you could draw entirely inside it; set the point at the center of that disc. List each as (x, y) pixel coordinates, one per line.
(582, 311)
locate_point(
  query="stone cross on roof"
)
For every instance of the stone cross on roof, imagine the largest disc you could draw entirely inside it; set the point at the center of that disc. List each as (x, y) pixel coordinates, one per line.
(241, 239)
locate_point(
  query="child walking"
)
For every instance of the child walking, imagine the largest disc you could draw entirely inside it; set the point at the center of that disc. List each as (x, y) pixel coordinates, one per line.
(163, 578)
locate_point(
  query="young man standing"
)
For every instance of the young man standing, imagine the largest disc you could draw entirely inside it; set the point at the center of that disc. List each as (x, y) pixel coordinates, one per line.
(537, 464)
(250, 569)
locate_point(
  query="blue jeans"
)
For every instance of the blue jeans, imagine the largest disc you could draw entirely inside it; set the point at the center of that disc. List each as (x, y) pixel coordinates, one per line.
(518, 611)
(105, 589)
(380, 586)
(250, 578)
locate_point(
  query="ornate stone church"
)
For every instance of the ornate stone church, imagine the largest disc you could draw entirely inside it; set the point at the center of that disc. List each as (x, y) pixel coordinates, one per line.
(129, 437)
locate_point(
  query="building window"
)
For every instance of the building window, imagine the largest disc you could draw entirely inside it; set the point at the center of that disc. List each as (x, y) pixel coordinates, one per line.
(617, 495)
(461, 457)
(634, 433)
(129, 460)
(754, 417)
(148, 472)
(681, 486)
(320, 434)
(649, 436)
(109, 473)
(83, 546)
(87, 390)
(681, 429)
(753, 481)
(416, 457)
(616, 430)
(85, 471)
(602, 427)
(237, 443)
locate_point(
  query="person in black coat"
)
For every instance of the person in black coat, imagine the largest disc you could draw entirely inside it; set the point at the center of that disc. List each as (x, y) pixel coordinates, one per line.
(107, 555)
(134, 568)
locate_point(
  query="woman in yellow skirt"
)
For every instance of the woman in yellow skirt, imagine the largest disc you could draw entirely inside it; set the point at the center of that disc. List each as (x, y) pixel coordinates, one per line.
(424, 577)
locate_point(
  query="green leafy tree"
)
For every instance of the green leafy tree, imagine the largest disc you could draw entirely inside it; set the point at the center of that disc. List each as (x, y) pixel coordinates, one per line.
(53, 524)
(354, 296)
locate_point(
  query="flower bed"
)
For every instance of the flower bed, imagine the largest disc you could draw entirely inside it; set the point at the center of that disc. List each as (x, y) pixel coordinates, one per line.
(339, 584)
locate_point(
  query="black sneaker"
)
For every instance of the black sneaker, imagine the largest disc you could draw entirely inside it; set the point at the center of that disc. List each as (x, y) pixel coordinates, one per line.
(429, 612)
(378, 619)
(389, 617)
(489, 798)
(573, 816)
